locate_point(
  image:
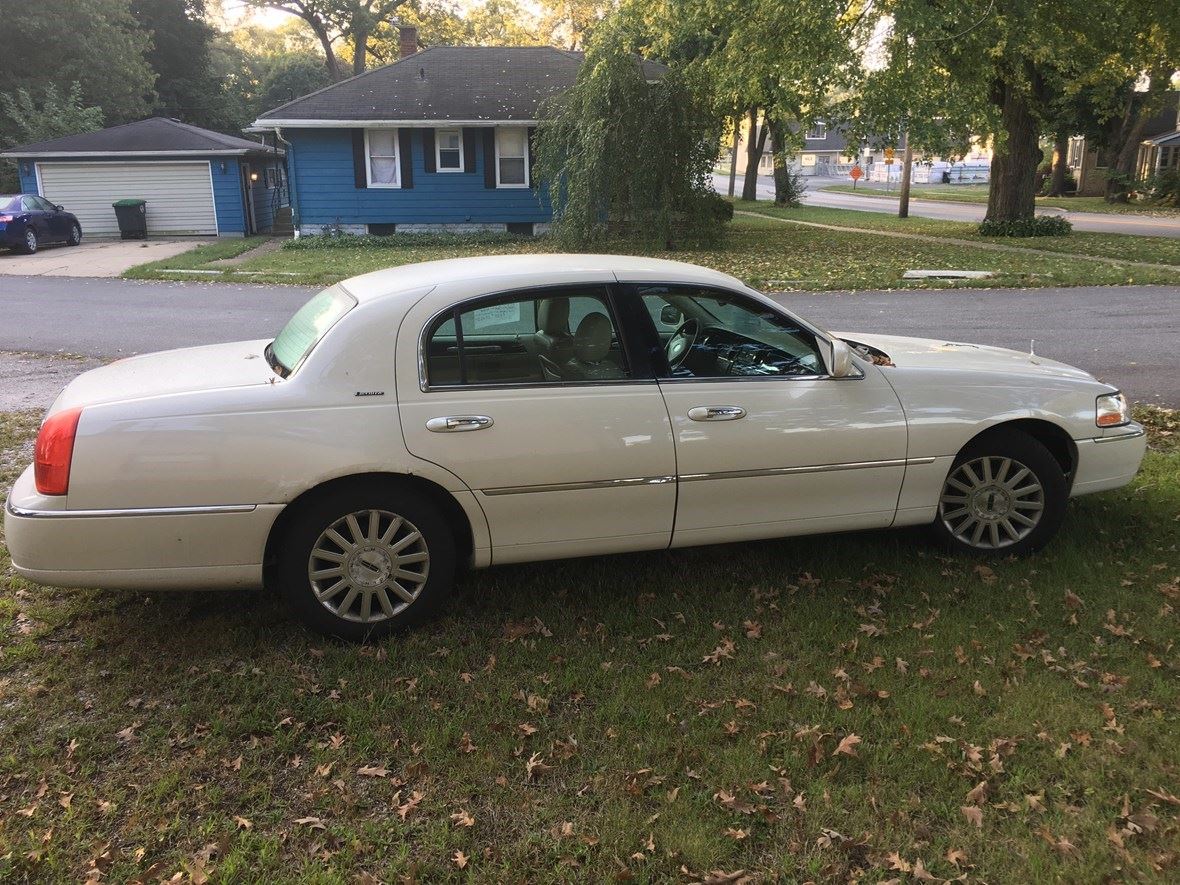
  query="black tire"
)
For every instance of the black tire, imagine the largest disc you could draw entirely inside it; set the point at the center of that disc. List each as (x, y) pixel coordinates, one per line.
(75, 235)
(307, 527)
(30, 244)
(994, 503)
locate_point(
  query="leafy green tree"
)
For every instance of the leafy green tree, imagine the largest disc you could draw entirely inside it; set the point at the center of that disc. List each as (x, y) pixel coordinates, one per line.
(289, 76)
(349, 21)
(624, 157)
(447, 23)
(41, 117)
(96, 43)
(1005, 66)
(179, 56)
(778, 60)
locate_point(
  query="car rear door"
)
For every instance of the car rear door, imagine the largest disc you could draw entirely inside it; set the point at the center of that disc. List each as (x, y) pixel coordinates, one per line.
(561, 435)
(767, 443)
(36, 217)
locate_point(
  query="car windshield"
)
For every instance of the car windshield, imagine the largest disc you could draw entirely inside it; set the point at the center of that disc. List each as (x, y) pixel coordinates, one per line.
(304, 330)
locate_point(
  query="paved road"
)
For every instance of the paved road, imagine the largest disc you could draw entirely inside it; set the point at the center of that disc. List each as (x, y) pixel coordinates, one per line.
(1128, 336)
(1144, 226)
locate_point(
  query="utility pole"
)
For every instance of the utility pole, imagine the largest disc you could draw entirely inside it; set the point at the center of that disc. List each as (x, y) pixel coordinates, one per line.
(907, 161)
(737, 134)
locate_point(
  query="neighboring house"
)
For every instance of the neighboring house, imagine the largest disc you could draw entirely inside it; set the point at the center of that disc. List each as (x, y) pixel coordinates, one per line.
(1159, 149)
(195, 181)
(441, 140)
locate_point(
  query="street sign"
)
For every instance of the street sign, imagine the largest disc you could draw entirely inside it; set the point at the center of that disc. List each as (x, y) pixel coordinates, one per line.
(889, 161)
(889, 154)
(856, 174)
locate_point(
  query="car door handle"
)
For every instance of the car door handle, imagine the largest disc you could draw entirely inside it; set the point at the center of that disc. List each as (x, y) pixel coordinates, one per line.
(716, 413)
(458, 423)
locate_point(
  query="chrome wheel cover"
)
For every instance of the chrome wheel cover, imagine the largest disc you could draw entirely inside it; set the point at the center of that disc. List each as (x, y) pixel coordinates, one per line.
(75, 235)
(992, 502)
(30, 241)
(368, 566)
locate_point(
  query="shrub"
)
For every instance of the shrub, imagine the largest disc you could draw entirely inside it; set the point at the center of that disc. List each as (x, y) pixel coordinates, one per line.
(1040, 226)
(789, 186)
(1163, 188)
(718, 207)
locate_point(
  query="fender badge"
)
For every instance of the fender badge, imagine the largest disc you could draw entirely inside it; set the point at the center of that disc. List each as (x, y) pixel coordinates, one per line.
(370, 393)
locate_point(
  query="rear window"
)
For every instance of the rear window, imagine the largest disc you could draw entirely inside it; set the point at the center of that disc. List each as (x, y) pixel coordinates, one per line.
(304, 330)
(5, 199)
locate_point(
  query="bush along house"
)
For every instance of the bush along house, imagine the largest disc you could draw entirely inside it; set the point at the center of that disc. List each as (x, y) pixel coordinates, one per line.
(439, 141)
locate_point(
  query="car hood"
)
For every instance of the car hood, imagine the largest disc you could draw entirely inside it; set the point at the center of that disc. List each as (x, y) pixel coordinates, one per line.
(938, 353)
(188, 370)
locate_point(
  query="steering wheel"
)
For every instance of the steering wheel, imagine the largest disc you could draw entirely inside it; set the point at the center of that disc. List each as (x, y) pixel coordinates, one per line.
(681, 342)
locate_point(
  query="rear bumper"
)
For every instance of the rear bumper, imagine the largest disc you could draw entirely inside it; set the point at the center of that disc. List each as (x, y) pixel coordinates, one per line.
(1109, 462)
(162, 548)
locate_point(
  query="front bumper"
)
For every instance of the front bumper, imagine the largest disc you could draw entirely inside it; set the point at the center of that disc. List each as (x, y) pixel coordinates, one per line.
(157, 549)
(1110, 461)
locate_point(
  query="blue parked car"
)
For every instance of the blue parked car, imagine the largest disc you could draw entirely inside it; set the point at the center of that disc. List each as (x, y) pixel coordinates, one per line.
(28, 222)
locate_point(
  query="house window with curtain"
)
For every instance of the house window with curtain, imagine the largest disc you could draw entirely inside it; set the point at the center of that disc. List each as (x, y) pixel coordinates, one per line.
(381, 150)
(448, 144)
(512, 157)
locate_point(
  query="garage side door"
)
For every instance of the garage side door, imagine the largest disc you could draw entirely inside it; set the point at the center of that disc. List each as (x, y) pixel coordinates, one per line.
(179, 195)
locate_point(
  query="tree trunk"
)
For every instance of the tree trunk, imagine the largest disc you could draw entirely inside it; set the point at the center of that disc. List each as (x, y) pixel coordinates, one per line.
(737, 129)
(1124, 142)
(1060, 155)
(907, 165)
(754, 147)
(783, 195)
(330, 60)
(360, 49)
(1014, 167)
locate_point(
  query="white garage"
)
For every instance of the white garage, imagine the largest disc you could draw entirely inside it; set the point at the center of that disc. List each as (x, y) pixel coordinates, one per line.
(179, 194)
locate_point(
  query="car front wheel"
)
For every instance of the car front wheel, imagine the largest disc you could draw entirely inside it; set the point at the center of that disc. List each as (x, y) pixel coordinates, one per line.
(359, 563)
(75, 235)
(1005, 495)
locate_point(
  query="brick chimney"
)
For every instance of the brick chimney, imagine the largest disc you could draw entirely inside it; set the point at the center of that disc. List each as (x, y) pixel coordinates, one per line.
(407, 41)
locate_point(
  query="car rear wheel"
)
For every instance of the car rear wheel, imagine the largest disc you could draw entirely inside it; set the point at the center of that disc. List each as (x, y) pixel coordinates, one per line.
(1005, 495)
(361, 562)
(29, 246)
(75, 235)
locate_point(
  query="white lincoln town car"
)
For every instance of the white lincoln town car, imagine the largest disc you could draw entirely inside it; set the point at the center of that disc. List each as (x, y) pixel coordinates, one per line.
(415, 421)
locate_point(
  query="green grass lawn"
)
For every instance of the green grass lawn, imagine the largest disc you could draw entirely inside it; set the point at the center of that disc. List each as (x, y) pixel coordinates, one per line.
(1157, 250)
(762, 252)
(845, 708)
(977, 193)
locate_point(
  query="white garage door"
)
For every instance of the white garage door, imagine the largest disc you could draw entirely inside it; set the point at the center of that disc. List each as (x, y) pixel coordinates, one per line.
(179, 195)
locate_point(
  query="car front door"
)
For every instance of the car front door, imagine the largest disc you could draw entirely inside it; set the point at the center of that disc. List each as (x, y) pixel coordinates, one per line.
(56, 221)
(767, 442)
(531, 399)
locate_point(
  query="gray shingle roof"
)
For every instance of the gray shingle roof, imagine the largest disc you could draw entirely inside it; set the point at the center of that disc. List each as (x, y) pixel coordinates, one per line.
(156, 134)
(448, 83)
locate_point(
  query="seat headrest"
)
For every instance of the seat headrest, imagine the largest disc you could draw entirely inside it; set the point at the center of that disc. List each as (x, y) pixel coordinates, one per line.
(593, 338)
(553, 316)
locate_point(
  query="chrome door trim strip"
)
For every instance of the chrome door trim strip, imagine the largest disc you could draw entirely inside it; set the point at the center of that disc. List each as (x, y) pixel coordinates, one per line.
(696, 477)
(142, 511)
(814, 468)
(1135, 434)
(579, 486)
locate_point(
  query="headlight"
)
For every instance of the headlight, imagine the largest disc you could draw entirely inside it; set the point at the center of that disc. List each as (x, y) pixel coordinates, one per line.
(1112, 410)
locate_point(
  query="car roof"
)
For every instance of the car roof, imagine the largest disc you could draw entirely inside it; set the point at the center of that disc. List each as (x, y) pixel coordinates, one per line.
(499, 272)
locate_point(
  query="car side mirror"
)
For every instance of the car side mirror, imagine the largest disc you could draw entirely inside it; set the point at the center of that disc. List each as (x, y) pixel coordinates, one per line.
(840, 364)
(669, 315)
(58, 208)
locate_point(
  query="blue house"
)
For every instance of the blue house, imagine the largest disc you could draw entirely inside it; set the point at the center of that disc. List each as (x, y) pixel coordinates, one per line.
(195, 181)
(441, 140)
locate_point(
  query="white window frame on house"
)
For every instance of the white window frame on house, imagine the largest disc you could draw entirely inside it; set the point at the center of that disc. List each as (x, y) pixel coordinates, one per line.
(525, 157)
(438, 149)
(396, 157)
(817, 132)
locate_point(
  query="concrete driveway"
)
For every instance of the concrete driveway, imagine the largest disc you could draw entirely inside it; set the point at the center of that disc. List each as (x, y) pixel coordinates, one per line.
(94, 258)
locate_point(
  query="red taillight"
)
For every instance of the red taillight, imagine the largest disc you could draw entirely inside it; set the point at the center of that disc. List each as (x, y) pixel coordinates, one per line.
(54, 451)
(5, 218)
